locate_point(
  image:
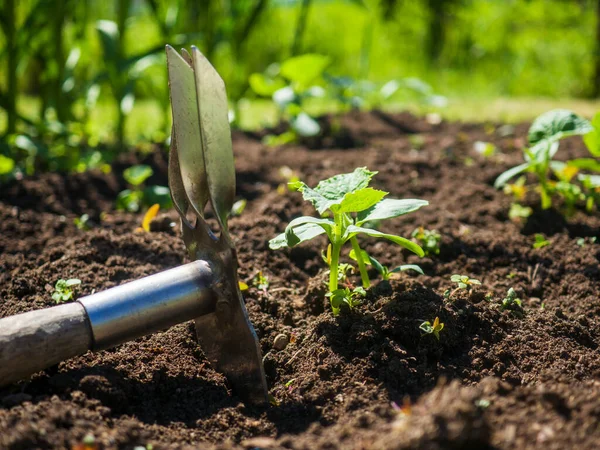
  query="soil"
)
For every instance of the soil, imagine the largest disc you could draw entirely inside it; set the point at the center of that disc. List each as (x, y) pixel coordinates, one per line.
(367, 379)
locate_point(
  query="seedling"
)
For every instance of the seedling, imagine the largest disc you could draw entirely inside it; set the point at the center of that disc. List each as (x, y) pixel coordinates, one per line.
(544, 136)
(64, 290)
(350, 297)
(238, 207)
(386, 273)
(261, 282)
(512, 303)
(519, 212)
(435, 328)
(133, 198)
(290, 85)
(581, 241)
(429, 240)
(351, 202)
(463, 282)
(82, 222)
(540, 241)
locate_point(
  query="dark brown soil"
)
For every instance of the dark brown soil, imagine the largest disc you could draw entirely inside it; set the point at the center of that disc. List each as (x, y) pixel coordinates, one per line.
(494, 379)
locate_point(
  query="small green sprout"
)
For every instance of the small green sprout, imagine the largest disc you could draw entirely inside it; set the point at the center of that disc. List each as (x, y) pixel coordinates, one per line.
(519, 212)
(581, 241)
(238, 207)
(463, 283)
(511, 302)
(82, 222)
(435, 328)
(351, 297)
(386, 273)
(429, 240)
(540, 241)
(544, 135)
(261, 282)
(352, 203)
(133, 198)
(64, 290)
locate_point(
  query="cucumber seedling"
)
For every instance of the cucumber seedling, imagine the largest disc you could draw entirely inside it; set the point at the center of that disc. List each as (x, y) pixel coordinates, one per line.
(349, 200)
(544, 136)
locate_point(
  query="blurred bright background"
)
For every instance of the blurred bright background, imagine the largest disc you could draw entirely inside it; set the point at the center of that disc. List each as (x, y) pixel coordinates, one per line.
(79, 74)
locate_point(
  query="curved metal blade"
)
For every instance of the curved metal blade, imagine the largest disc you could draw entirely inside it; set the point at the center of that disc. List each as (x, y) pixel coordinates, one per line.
(182, 87)
(216, 138)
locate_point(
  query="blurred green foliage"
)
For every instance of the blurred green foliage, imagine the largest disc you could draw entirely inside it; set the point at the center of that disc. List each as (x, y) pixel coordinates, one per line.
(80, 74)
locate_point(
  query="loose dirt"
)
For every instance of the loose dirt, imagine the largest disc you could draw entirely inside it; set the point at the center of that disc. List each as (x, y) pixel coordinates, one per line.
(368, 379)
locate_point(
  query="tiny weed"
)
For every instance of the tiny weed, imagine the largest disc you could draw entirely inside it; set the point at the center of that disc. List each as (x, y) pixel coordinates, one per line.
(512, 303)
(261, 282)
(133, 198)
(64, 290)
(429, 240)
(82, 222)
(582, 241)
(350, 297)
(238, 207)
(517, 212)
(540, 241)
(435, 328)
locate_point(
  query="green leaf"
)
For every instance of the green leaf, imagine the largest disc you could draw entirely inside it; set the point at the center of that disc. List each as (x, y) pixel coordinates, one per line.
(129, 200)
(365, 256)
(109, 37)
(303, 232)
(360, 200)
(136, 175)
(353, 230)
(404, 267)
(504, 177)
(158, 194)
(263, 85)
(592, 139)
(304, 69)
(557, 124)
(7, 165)
(378, 266)
(305, 125)
(585, 164)
(389, 208)
(592, 180)
(72, 282)
(336, 187)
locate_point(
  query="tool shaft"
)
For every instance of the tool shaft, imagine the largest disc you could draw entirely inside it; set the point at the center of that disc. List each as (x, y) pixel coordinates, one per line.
(150, 304)
(36, 340)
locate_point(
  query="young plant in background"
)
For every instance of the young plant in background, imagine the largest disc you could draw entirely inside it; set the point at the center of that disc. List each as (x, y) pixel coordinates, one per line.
(64, 290)
(432, 328)
(512, 303)
(544, 136)
(290, 85)
(351, 202)
(136, 196)
(429, 240)
(463, 282)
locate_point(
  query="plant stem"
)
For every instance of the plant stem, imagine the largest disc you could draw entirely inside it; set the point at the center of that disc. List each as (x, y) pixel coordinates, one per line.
(364, 276)
(333, 266)
(12, 56)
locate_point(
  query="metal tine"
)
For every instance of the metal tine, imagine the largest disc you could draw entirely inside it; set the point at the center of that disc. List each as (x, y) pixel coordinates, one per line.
(186, 132)
(216, 139)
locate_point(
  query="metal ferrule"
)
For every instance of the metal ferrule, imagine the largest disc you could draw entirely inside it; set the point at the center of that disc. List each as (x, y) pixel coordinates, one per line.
(150, 304)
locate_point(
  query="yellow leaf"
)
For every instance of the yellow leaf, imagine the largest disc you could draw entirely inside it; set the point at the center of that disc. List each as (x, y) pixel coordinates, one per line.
(149, 216)
(243, 286)
(436, 322)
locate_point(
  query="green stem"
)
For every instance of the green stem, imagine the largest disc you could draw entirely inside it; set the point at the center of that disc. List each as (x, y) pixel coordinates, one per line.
(546, 199)
(364, 276)
(333, 266)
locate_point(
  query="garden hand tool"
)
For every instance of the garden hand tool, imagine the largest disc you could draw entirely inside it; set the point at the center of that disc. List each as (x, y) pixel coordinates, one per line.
(201, 172)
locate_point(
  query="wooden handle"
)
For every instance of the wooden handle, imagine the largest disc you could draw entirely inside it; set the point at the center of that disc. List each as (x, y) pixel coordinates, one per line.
(36, 340)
